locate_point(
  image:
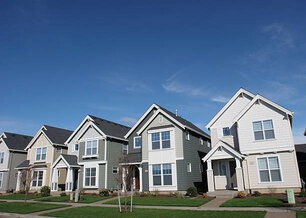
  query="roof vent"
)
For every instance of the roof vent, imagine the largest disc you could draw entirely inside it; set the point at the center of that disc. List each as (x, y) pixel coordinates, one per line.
(175, 112)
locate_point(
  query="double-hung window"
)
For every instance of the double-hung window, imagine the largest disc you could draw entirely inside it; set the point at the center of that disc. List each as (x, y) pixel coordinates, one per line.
(162, 176)
(263, 130)
(137, 142)
(1, 179)
(226, 131)
(76, 147)
(161, 140)
(269, 169)
(41, 153)
(90, 176)
(37, 178)
(1, 157)
(91, 147)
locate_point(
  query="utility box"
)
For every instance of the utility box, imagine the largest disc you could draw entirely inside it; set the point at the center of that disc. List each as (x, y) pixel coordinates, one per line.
(290, 196)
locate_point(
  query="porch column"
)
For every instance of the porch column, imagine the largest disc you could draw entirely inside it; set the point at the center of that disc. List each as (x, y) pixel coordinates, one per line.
(18, 180)
(140, 178)
(69, 180)
(123, 179)
(239, 175)
(54, 182)
(210, 177)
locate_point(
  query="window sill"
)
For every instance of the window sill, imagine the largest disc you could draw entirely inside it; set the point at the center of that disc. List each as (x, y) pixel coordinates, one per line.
(162, 149)
(275, 182)
(137, 147)
(39, 162)
(89, 156)
(90, 187)
(264, 140)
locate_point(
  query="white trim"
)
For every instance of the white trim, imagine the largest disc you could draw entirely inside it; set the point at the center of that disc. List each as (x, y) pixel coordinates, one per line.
(62, 158)
(93, 162)
(280, 168)
(90, 125)
(106, 173)
(228, 104)
(40, 131)
(77, 129)
(74, 147)
(1, 173)
(189, 167)
(161, 130)
(90, 165)
(116, 168)
(135, 142)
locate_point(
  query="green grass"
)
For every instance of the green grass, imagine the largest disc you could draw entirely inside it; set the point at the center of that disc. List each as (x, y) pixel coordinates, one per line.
(301, 214)
(86, 199)
(253, 202)
(156, 201)
(113, 212)
(19, 207)
(18, 197)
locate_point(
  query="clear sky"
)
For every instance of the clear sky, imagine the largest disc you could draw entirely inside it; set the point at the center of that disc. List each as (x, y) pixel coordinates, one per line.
(61, 60)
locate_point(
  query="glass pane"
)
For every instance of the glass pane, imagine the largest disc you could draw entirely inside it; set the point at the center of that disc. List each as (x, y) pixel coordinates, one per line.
(87, 172)
(258, 135)
(166, 144)
(93, 171)
(166, 169)
(38, 151)
(156, 145)
(39, 183)
(94, 144)
(156, 169)
(268, 124)
(156, 180)
(222, 168)
(76, 147)
(94, 151)
(88, 151)
(43, 156)
(40, 175)
(269, 134)
(275, 175)
(155, 136)
(93, 181)
(257, 126)
(273, 163)
(34, 183)
(87, 181)
(44, 150)
(262, 163)
(38, 157)
(167, 180)
(264, 176)
(138, 142)
(226, 131)
(166, 135)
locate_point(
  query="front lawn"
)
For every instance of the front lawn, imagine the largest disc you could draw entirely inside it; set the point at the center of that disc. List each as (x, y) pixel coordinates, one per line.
(253, 202)
(301, 214)
(18, 196)
(86, 199)
(19, 207)
(156, 201)
(113, 212)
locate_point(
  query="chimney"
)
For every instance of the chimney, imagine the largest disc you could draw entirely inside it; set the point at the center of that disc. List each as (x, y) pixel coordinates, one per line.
(176, 112)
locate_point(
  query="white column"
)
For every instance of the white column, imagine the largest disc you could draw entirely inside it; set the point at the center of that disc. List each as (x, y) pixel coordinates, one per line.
(210, 177)
(69, 179)
(123, 178)
(140, 178)
(54, 183)
(239, 175)
(18, 180)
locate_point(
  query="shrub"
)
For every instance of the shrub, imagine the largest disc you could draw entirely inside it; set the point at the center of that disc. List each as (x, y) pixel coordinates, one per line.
(256, 194)
(63, 194)
(136, 194)
(45, 191)
(241, 195)
(204, 195)
(20, 192)
(143, 194)
(104, 192)
(302, 194)
(192, 191)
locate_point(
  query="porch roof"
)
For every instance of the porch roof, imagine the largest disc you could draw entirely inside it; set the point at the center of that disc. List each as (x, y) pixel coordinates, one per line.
(69, 160)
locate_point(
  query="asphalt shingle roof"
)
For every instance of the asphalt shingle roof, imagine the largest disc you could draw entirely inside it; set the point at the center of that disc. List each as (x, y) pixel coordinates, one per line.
(110, 128)
(300, 148)
(24, 164)
(16, 141)
(57, 135)
(71, 159)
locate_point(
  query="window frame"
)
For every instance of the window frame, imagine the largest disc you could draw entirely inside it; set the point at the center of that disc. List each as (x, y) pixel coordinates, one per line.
(201, 141)
(162, 174)
(161, 140)
(41, 154)
(117, 169)
(137, 137)
(91, 147)
(91, 176)
(37, 178)
(269, 169)
(263, 130)
(187, 135)
(74, 147)
(189, 168)
(1, 157)
(224, 131)
(60, 151)
(123, 149)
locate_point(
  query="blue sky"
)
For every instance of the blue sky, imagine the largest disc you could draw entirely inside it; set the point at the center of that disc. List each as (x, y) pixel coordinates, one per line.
(61, 60)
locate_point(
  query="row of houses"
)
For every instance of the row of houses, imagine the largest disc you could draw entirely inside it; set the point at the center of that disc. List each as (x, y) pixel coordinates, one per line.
(251, 148)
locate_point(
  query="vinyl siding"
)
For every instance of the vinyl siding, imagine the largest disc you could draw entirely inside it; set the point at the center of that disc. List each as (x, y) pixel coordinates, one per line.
(40, 142)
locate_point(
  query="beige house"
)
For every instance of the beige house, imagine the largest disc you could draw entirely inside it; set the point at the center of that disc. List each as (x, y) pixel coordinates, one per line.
(46, 146)
(252, 147)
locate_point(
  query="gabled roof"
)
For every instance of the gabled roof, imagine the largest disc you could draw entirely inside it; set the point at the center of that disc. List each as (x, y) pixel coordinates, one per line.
(267, 101)
(54, 135)
(185, 124)
(70, 160)
(228, 104)
(16, 141)
(23, 165)
(105, 127)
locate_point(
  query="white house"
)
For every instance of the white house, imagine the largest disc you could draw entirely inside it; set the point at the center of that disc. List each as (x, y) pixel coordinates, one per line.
(252, 146)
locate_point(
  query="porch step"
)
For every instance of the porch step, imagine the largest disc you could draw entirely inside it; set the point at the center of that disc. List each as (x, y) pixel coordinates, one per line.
(223, 194)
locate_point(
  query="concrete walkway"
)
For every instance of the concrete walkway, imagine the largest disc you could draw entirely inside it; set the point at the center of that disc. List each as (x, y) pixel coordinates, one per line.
(291, 214)
(216, 202)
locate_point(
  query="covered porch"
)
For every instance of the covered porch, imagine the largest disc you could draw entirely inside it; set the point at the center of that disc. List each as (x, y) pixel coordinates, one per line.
(64, 173)
(224, 170)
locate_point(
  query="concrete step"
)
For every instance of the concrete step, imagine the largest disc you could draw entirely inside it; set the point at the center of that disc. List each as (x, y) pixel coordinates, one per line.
(223, 194)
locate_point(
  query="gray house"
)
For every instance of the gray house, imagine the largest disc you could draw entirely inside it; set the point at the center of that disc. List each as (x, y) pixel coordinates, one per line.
(12, 153)
(92, 161)
(166, 151)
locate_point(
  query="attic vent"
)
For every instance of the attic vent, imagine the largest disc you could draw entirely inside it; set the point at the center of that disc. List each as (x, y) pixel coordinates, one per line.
(160, 118)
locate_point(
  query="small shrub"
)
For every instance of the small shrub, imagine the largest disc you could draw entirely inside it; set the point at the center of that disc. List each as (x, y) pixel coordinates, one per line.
(143, 194)
(256, 194)
(20, 192)
(241, 195)
(136, 193)
(192, 191)
(63, 194)
(45, 191)
(302, 194)
(204, 195)
(104, 192)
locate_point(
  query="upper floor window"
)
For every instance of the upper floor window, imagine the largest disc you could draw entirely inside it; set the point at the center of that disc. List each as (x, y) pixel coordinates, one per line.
(125, 149)
(201, 141)
(269, 169)
(76, 147)
(208, 144)
(1, 157)
(91, 147)
(263, 130)
(226, 131)
(137, 142)
(41, 153)
(189, 167)
(161, 138)
(59, 150)
(187, 135)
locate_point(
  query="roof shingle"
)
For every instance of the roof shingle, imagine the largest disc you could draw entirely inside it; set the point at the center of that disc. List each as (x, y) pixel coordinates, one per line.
(16, 141)
(57, 135)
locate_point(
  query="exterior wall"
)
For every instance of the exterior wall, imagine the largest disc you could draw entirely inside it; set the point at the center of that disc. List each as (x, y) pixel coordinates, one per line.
(145, 176)
(101, 148)
(40, 142)
(16, 158)
(5, 165)
(56, 155)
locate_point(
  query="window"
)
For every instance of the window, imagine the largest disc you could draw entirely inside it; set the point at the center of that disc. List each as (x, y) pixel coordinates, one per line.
(161, 138)
(188, 167)
(59, 150)
(1, 179)
(226, 131)
(201, 141)
(263, 130)
(269, 169)
(222, 168)
(1, 157)
(208, 144)
(91, 147)
(37, 178)
(125, 149)
(187, 136)
(41, 153)
(137, 142)
(162, 177)
(90, 176)
(115, 170)
(76, 147)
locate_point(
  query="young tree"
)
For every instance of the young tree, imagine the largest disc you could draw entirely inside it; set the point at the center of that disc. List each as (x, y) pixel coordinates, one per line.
(26, 179)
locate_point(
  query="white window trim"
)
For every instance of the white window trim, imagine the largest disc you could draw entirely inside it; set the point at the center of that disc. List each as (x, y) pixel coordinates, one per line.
(160, 138)
(117, 168)
(201, 141)
(74, 147)
(41, 149)
(97, 174)
(187, 135)
(2, 159)
(127, 150)
(263, 131)
(280, 168)
(1, 173)
(162, 175)
(135, 142)
(189, 168)
(43, 179)
(91, 155)
(61, 150)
